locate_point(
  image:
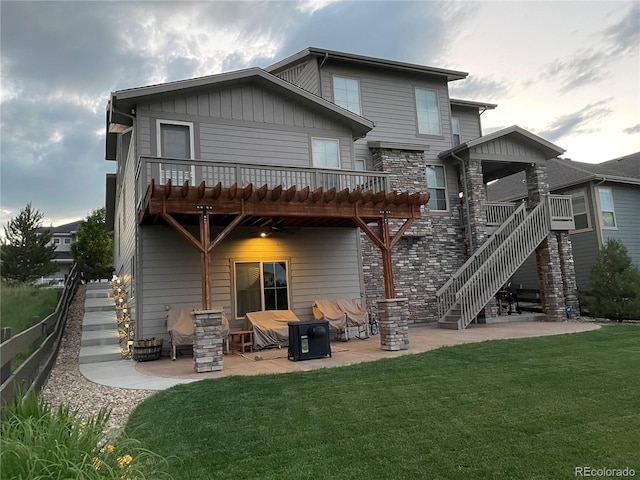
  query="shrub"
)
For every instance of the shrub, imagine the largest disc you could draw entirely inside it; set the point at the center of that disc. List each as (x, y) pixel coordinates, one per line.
(39, 442)
(615, 284)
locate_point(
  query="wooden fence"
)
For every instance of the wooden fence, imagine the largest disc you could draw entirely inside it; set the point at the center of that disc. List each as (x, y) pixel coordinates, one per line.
(44, 339)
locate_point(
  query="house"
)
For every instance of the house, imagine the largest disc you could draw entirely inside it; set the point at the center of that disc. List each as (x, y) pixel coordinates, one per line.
(62, 238)
(605, 198)
(325, 175)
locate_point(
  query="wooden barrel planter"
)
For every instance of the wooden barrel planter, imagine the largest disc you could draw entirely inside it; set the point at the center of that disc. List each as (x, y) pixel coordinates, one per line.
(145, 350)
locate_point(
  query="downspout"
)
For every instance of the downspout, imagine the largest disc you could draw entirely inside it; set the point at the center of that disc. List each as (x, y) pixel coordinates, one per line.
(466, 202)
(324, 60)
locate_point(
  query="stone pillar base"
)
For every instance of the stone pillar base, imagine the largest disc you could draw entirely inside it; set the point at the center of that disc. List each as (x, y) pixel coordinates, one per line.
(394, 330)
(207, 345)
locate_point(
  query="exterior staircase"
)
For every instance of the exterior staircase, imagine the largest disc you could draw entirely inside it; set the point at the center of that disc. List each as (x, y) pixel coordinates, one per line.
(476, 283)
(100, 342)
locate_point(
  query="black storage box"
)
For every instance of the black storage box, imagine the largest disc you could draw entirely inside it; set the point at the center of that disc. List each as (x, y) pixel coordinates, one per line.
(308, 340)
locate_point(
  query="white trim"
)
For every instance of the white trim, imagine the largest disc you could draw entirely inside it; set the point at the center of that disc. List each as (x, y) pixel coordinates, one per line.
(337, 141)
(453, 133)
(160, 122)
(600, 211)
(234, 292)
(333, 91)
(415, 106)
(446, 187)
(582, 192)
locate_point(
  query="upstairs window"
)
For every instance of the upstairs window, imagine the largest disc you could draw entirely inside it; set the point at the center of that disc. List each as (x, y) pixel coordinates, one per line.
(455, 131)
(67, 241)
(437, 187)
(56, 241)
(580, 215)
(261, 286)
(427, 111)
(346, 93)
(175, 139)
(607, 212)
(325, 153)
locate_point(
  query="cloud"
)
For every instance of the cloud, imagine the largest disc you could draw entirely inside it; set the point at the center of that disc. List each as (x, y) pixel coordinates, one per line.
(632, 130)
(581, 122)
(591, 65)
(487, 89)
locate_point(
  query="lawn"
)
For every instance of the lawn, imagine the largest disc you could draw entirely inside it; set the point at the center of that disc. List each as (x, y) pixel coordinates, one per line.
(512, 409)
(19, 304)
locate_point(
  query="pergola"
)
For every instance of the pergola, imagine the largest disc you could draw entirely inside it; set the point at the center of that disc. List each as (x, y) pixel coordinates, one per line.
(264, 207)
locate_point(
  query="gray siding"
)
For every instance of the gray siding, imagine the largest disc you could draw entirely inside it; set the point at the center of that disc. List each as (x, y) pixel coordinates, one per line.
(124, 247)
(517, 151)
(585, 250)
(245, 124)
(389, 101)
(304, 75)
(626, 200)
(323, 263)
(470, 128)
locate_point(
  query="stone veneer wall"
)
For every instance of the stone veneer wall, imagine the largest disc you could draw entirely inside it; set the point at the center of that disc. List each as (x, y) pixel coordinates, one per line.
(394, 331)
(429, 252)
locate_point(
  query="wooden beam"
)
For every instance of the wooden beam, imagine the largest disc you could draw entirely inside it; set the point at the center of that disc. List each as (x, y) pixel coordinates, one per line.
(182, 231)
(227, 230)
(387, 264)
(204, 260)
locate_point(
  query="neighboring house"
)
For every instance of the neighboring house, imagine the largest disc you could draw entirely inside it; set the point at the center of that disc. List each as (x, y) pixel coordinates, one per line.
(606, 199)
(327, 175)
(62, 238)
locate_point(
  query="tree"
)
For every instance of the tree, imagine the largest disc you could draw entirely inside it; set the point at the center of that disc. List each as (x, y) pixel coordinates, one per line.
(26, 254)
(93, 248)
(615, 284)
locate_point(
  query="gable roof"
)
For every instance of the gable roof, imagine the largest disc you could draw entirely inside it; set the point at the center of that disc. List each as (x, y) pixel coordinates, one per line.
(122, 102)
(364, 60)
(564, 173)
(456, 102)
(67, 228)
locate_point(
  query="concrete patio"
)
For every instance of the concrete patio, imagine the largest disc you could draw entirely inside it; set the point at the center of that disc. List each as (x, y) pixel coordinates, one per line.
(422, 338)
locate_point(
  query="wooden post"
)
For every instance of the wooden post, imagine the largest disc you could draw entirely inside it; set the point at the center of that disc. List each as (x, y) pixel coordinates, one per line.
(5, 372)
(387, 265)
(205, 240)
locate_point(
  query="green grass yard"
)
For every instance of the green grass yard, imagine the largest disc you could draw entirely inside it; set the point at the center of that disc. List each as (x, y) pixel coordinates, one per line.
(511, 409)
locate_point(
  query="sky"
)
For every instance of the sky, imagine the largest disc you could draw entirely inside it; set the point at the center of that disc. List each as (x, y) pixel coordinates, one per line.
(566, 71)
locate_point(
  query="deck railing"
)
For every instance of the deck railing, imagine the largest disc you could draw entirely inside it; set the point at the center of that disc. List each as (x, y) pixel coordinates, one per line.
(196, 171)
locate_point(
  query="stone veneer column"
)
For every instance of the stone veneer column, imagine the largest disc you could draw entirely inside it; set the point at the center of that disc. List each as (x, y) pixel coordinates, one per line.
(550, 278)
(207, 346)
(567, 268)
(394, 330)
(476, 198)
(537, 184)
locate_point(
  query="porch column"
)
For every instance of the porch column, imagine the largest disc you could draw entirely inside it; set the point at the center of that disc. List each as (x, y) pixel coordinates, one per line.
(207, 345)
(550, 279)
(537, 184)
(476, 198)
(394, 330)
(567, 268)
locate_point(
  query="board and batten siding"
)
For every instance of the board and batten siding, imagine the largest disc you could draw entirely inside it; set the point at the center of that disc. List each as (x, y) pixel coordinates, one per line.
(246, 124)
(501, 147)
(323, 263)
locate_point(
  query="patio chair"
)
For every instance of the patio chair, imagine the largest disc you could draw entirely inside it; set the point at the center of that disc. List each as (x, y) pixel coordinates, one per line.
(330, 311)
(182, 332)
(271, 327)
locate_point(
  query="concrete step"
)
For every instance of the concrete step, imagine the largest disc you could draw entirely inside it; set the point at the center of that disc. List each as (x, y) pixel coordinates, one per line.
(98, 285)
(99, 353)
(100, 294)
(99, 321)
(99, 304)
(523, 317)
(93, 338)
(451, 325)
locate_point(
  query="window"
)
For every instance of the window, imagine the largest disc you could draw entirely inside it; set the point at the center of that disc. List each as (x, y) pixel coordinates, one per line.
(455, 131)
(427, 110)
(67, 241)
(437, 187)
(607, 213)
(346, 93)
(580, 215)
(261, 286)
(175, 140)
(56, 241)
(325, 153)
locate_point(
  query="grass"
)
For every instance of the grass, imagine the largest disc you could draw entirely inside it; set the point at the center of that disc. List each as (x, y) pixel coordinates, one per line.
(19, 304)
(38, 442)
(515, 409)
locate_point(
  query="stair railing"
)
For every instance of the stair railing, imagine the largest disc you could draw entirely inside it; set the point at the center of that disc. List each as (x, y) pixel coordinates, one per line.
(482, 286)
(447, 295)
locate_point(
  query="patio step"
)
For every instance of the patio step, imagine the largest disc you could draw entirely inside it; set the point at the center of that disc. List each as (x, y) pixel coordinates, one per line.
(100, 320)
(92, 338)
(100, 353)
(99, 304)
